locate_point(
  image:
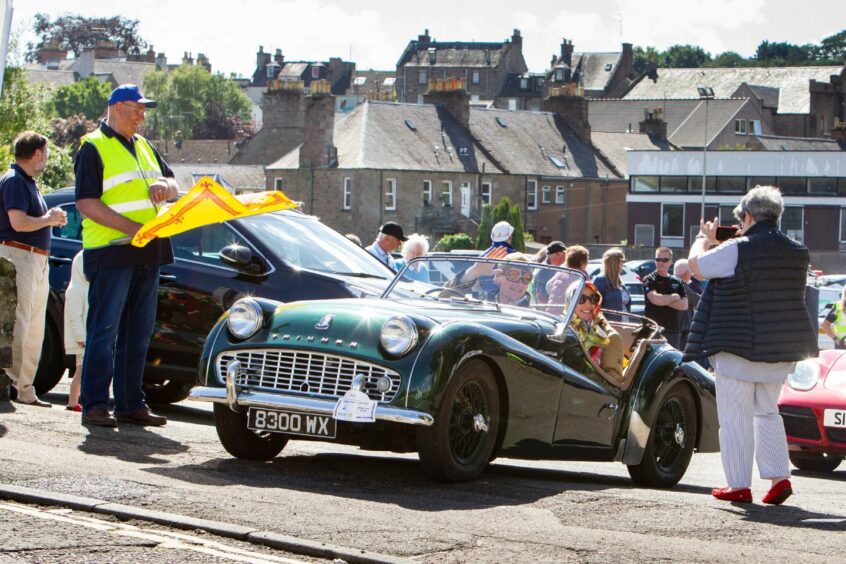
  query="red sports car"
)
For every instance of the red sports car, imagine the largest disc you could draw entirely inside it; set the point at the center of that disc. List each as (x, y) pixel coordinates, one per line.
(813, 406)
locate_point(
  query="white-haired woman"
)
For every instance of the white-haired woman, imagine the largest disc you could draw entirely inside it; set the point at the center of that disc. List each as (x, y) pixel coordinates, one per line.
(415, 246)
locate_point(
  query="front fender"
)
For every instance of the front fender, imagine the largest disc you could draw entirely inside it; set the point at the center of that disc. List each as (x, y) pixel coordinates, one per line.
(530, 382)
(660, 372)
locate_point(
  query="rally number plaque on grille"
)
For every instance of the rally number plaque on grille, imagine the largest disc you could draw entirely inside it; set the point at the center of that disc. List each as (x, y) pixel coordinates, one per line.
(291, 423)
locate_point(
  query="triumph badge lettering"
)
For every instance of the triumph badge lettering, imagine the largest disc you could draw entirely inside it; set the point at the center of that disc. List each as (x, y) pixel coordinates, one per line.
(291, 423)
(324, 323)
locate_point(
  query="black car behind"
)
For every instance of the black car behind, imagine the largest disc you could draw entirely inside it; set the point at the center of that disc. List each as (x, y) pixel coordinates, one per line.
(287, 256)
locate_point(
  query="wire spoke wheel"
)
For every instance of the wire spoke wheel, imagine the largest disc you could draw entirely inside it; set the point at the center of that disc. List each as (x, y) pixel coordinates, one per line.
(465, 437)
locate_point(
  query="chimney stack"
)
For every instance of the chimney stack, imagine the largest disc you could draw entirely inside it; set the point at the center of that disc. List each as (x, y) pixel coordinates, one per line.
(318, 149)
(450, 93)
(567, 52)
(653, 123)
(571, 106)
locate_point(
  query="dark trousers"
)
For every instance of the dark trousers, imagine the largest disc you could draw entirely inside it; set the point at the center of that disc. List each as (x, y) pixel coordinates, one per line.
(121, 318)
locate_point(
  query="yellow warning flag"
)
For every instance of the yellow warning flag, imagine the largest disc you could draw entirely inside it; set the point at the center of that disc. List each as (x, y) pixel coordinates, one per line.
(206, 203)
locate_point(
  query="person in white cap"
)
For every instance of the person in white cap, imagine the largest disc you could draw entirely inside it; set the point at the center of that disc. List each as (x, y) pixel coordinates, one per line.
(500, 237)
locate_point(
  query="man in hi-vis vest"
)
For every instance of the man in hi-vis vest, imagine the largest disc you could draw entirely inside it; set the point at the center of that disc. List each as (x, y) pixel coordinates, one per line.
(120, 182)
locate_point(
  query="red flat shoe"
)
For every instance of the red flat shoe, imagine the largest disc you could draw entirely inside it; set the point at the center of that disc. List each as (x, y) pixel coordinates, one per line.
(739, 496)
(778, 493)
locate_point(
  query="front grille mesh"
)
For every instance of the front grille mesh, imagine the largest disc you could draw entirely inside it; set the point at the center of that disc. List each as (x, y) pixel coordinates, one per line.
(305, 372)
(836, 434)
(800, 422)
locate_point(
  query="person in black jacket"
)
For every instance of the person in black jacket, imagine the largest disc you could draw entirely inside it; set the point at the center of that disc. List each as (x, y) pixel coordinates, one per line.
(753, 325)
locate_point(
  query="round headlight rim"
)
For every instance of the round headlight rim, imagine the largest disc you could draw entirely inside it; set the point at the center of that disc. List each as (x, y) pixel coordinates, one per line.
(411, 329)
(812, 369)
(255, 308)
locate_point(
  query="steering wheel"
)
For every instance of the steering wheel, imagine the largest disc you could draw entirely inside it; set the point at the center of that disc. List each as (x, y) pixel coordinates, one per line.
(443, 290)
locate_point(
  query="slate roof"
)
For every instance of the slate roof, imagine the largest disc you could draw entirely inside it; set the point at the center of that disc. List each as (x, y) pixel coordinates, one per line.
(233, 177)
(792, 83)
(373, 80)
(776, 143)
(511, 86)
(292, 70)
(197, 151)
(454, 54)
(592, 68)
(375, 136)
(615, 147)
(47, 76)
(685, 118)
(767, 94)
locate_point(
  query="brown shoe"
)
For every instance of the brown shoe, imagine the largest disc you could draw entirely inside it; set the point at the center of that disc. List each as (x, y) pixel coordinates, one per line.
(141, 417)
(100, 417)
(37, 403)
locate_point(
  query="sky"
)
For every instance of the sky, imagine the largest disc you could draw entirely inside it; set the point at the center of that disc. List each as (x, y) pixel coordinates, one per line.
(373, 33)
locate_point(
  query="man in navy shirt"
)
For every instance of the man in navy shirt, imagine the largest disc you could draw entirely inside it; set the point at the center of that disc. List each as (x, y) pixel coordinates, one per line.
(666, 300)
(25, 224)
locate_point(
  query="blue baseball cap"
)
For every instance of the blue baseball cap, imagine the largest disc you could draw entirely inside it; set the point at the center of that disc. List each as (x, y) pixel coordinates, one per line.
(130, 93)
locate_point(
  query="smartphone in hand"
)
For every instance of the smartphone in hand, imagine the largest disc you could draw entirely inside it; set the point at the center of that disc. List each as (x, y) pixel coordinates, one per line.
(726, 232)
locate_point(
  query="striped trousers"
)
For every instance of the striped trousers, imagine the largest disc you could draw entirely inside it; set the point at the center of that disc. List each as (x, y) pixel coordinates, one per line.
(750, 423)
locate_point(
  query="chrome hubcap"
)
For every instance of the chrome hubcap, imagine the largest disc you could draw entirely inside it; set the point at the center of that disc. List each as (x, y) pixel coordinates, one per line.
(479, 423)
(679, 435)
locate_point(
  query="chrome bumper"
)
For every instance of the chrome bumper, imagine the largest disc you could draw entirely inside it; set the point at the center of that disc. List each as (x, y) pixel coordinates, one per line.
(237, 399)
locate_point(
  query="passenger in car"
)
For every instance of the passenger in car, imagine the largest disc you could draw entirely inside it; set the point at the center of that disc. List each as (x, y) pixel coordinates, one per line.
(511, 282)
(598, 337)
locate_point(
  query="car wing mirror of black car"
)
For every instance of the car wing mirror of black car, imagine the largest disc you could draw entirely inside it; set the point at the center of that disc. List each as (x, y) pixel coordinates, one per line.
(242, 259)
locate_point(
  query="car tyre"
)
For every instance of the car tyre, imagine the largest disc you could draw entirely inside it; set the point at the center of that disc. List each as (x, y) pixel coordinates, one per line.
(671, 441)
(815, 461)
(458, 446)
(169, 391)
(241, 442)
(50, 367)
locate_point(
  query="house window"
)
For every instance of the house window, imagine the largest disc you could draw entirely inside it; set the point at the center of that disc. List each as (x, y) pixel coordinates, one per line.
(475, 77)
(823, 186)
(420, 98)
(644, 183)
(277, 183)
(487, 194)
(422, 77)
(391, 194)
(315, 72)
(843, 225)
(427, 192)
(347, 193)
(524, 84)
(545, 195)
(754, 127)
(560, 195)
(672, 220)
(446, 193)
(531, 194)
(793, 222)
(559, 75)
(512, 104)
(740, 126)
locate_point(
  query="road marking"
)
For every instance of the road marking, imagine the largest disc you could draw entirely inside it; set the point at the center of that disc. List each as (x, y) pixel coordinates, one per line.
(165, 539)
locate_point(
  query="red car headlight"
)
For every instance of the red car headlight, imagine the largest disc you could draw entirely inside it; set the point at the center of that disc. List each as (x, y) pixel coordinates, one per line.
(805, 376)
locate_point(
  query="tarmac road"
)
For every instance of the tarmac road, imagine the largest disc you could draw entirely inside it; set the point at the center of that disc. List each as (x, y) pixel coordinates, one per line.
(382, 502)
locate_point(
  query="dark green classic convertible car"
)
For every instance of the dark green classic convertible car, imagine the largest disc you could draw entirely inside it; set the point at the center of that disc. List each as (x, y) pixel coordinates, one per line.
(449, 370)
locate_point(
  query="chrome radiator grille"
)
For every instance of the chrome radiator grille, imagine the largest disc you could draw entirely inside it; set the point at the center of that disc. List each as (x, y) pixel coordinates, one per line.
(305, 372)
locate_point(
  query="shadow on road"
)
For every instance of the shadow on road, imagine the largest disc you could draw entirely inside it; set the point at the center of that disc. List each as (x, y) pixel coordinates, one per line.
(184, 413)
(132, 444)
(395, 480)
(837, 476)
(789, 516)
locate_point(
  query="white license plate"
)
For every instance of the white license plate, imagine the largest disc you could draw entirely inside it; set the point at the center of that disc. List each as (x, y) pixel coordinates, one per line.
(835, 418)
(291, 423)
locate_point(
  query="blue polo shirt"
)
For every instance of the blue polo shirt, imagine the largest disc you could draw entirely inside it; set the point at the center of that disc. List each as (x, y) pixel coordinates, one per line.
(88, 167)
(18, 191)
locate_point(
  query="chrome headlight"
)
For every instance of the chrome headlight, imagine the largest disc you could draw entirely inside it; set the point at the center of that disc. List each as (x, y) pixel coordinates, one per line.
(805, 376)
(245, 318)
(398, 335)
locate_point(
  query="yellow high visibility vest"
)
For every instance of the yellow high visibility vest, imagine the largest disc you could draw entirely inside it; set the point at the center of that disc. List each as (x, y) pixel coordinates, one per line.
(126, 181)
(839, 325)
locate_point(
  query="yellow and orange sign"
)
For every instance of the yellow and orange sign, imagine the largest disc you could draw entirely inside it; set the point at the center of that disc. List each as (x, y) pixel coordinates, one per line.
(206, 203)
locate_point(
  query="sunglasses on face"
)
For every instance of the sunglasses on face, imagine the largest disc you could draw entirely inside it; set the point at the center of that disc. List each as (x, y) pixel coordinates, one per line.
(662, 260)
(515, 275)
(593, 298)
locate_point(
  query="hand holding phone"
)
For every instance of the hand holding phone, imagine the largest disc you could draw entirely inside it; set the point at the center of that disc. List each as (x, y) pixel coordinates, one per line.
(726, 232)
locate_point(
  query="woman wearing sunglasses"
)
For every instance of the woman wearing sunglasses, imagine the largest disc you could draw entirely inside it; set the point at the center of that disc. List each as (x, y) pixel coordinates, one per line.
(599, 339)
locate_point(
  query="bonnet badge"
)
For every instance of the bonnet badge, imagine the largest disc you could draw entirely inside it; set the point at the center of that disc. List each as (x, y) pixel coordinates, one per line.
(324, 322)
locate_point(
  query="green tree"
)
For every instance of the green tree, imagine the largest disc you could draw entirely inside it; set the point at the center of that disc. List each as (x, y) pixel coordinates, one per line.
(729, 59)
(75, 33)
(783, 54)
(87, 97)
(833, 48)
(486, 223)
(684, 56)
(454, 241)
(198, 104)
(59, 170)
(518, 238)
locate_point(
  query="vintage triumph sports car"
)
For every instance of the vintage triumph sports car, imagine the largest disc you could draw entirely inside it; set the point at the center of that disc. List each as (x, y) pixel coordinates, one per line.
(813, 406)
(451, 373)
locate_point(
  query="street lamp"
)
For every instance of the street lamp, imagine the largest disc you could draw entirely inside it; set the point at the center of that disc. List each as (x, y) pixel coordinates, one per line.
(705, 93)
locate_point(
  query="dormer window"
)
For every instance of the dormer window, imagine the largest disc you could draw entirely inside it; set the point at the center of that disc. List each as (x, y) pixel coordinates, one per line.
(609, 66)
(524, 83)
(559, 75)
(360, 80)
(315, 72)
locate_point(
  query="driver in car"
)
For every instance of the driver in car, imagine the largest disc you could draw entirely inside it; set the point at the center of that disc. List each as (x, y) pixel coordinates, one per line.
(511, 281)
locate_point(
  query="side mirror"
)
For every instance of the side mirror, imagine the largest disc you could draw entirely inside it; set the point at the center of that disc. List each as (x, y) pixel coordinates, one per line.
(241, 258)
